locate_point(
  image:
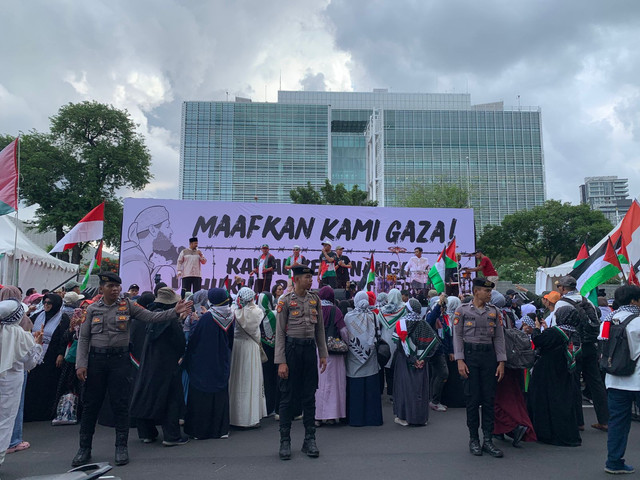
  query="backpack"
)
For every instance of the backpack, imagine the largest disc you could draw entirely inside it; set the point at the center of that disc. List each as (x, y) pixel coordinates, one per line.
(615, 356)
(518, 346)
(588, 325)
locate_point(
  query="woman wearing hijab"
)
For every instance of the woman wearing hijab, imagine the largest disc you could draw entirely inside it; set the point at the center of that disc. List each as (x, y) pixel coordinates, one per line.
(364, 406)
(17, 443)
(416, 341)
(268, 339)
(42, 381)
(390, 313)
(208, 361)
(510, 408)
(525, 310)
(331, 396)
(552, 389)
(246, 385)
(19, 351)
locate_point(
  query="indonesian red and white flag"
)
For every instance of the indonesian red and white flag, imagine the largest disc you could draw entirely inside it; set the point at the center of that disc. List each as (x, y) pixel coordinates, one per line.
(88, 229)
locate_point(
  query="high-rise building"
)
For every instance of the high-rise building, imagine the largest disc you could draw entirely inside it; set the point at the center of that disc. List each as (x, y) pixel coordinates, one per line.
(383, 142)
(609, 194)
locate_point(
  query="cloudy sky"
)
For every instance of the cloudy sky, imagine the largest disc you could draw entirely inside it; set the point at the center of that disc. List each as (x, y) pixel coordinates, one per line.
(573, 58)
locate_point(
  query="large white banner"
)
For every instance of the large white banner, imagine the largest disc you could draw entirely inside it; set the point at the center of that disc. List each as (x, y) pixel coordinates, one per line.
(230, 235)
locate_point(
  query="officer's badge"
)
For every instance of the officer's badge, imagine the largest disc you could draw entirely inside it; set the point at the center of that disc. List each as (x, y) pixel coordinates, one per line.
(314, 311)
(468, 324)
(313, 302)
(295, 312)
(123, 318)
(96, 320)
(279, 309)
(491, 315)
(293, 303)
(123, 303)
(456, 321)
(122, 309)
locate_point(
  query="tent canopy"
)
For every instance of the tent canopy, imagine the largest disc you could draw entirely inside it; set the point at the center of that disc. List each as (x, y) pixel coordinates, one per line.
(36, 268)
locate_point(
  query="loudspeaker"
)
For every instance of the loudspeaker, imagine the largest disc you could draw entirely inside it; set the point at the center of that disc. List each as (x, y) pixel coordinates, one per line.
(340, 294)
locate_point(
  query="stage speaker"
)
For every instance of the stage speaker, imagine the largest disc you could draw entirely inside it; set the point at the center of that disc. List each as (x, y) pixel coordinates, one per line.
(340, 294)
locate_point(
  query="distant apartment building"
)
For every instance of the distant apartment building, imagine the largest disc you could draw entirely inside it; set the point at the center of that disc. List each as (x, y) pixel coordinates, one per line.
(609, 194)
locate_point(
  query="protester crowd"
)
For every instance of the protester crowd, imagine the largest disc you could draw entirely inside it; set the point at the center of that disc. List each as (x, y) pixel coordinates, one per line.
(208, 364)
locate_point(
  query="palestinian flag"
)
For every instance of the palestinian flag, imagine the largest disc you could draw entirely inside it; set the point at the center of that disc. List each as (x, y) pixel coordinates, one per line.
(602, 265)
(89, 228)
(447, 259)
(629, 231)
(371, 276)
(583, 254)
(97, 261)
(9, 178)
(225, 283)
(623, 255)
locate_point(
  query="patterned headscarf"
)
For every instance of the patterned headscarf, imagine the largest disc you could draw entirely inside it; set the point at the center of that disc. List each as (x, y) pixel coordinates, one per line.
(382, 299)
(414, 310)
(245, 297)
(394, 301)
(11, 311)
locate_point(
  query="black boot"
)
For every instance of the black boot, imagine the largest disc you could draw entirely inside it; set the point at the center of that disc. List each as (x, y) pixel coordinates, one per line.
(474, 447)
(285, 445)
(517, 435)
(490, 448)
(309, 445)
(84, 452)
(122, 452)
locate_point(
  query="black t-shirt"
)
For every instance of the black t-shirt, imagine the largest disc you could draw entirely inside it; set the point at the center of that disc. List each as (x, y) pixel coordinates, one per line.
(341, 272)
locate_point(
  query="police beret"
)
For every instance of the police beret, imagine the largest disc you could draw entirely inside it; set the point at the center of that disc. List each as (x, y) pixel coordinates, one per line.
(483, 282)
(301, 270)
(109, 277)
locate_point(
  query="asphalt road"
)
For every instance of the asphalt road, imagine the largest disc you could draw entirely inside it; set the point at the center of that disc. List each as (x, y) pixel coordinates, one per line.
(438, 450)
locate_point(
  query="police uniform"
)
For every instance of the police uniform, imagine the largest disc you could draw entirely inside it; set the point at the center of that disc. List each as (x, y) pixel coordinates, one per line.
(299, 331)
(478, 339)
(103, 349)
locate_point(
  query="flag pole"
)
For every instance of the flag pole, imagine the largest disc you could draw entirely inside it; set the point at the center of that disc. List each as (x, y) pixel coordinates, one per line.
(16, 263)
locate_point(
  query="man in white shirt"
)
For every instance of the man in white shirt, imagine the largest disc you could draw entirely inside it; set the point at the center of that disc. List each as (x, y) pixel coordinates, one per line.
(418, 269)
(622, 391)
(189, 263)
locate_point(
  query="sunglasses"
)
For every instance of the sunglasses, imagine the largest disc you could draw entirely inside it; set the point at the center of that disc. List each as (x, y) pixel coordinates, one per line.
(47, 303)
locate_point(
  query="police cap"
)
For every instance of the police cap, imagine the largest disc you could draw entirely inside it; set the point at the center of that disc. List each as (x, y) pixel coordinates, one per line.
(301, 270)
(483, 282)
(106, 277)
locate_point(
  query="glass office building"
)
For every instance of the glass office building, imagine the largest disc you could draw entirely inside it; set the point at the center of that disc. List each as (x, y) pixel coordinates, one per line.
(238, 150)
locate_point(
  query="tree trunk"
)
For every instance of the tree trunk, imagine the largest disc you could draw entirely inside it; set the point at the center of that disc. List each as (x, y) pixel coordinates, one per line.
(59, 234)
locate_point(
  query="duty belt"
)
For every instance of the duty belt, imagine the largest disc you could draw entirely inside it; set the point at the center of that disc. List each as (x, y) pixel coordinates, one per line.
(478, 347)
(109, 350)
(301, 341)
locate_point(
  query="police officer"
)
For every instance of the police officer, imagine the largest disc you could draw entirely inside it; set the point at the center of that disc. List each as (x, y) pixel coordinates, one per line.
(478, 345)
(103, 362)
(299, 331)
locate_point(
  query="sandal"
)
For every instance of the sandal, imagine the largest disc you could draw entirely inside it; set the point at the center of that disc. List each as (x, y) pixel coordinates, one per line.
(601, 427)
(19, 447)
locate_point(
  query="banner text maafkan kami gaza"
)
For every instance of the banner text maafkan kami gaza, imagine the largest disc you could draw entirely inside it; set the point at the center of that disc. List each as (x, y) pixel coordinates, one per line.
(230, 235)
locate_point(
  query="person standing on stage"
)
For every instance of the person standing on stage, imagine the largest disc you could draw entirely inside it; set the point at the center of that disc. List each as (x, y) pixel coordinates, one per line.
(327, 272)
(294, 260)
(189, 262)
(264, 270)
(299, 332)
(485, 267)
(103, 363)
(417, 268)
(479, 348)
(343, 268)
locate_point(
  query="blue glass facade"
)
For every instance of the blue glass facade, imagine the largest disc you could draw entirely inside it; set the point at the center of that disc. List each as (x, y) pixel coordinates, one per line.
(235, 151)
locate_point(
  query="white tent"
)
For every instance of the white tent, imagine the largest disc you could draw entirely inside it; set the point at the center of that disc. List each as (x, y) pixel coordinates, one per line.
(546, 276)
(36, 268)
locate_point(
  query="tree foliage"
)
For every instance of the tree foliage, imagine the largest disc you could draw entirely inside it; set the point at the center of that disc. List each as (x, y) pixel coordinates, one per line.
(436, 195)
(91, 153)
(331, 195)
(548, 234)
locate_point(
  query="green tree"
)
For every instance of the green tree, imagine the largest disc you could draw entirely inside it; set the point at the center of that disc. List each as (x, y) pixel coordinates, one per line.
(547, 235)
(436, 195)
(91, 153)
(331, 195)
